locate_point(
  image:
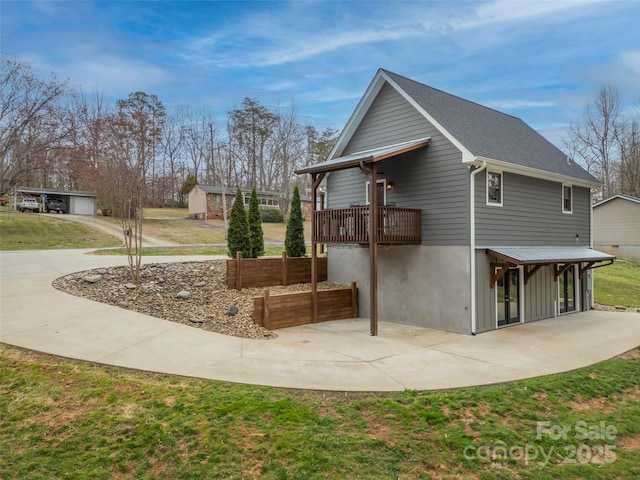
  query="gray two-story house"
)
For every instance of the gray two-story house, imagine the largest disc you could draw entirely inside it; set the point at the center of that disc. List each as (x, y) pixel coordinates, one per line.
(452, 215)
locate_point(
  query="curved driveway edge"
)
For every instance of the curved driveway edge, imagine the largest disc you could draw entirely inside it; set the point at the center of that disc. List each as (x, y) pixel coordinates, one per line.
(336, 355)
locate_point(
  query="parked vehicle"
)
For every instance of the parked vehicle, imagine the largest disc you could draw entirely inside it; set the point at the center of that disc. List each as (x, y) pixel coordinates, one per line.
(29, 205)
(55, 205)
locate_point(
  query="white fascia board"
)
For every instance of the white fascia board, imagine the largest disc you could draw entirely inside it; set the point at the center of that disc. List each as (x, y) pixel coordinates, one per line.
(467, 156)
(533, 172)
(617, 196)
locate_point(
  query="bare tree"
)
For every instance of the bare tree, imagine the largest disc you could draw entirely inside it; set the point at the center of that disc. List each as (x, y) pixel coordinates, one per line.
(249, 129)
(132, 134)
(35, 117)
(89, 141)
(628, 139)
(593, 140)
(195, 139)
(172, 165)
(287, 154)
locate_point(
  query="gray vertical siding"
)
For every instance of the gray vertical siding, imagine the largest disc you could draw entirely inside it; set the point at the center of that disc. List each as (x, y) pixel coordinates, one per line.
(485, 295)
(531, 214)
(432, 179)
(540, 295)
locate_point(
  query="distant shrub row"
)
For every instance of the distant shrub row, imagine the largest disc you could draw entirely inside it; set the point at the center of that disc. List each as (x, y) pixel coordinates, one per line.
(272, 216)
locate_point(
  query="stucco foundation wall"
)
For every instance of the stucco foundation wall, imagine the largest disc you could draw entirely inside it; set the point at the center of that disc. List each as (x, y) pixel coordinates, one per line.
(426, 286)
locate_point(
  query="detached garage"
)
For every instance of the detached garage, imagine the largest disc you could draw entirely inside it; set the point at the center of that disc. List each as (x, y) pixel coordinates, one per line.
(79, 203)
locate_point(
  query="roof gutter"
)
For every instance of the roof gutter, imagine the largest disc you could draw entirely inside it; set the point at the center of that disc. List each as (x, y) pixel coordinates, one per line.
(472, 242)
(534, 172)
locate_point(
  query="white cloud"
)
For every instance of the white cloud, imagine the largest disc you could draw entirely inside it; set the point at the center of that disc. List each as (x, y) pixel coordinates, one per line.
(630, 60)
(113, 74)
(509, 11)
(518, 104)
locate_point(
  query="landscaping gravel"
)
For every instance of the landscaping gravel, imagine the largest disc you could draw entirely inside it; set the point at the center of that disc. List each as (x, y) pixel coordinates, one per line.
(190, 293)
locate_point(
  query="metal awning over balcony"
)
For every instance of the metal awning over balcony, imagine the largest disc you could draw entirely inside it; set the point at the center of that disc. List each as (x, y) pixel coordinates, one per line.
(367, 156)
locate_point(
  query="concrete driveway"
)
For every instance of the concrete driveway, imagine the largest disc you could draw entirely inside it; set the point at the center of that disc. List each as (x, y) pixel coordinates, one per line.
(328, 356)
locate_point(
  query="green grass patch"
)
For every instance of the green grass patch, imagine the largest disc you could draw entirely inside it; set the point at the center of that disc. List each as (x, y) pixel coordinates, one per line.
(618, 284)
(67, 419)
(28, 231)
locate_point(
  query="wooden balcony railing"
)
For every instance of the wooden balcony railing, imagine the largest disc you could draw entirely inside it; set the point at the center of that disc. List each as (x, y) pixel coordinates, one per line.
(396, 226)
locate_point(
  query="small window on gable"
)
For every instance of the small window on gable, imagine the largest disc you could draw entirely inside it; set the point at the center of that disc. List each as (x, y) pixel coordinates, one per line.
(494, 188)
(567, 198)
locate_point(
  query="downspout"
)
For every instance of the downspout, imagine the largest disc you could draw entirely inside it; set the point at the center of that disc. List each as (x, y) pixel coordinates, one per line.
(590, 275)
(472, 243)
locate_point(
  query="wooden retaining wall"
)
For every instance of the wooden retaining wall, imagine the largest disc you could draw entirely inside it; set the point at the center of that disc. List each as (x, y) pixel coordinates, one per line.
(265, 272)
(290, 310)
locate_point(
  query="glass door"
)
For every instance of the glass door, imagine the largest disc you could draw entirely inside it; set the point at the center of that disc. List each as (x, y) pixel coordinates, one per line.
(508, 298)
(567, 291)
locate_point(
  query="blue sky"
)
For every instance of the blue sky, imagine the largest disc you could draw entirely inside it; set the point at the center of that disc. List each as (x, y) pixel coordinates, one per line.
(541, 61)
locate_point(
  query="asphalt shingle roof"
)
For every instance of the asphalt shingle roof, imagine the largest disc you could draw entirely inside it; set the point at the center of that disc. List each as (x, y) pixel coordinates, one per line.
(489, 133)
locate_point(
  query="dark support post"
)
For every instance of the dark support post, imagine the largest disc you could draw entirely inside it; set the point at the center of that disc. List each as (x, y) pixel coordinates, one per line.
(285, 272)
(316, 180)
(373, 247)
(238, 271)
(266, 319)
(354, 300)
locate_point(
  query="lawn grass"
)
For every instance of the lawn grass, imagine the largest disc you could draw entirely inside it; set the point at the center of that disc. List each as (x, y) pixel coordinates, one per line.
(29, 231)
(67, 419)
(172, 225)
(618, 284)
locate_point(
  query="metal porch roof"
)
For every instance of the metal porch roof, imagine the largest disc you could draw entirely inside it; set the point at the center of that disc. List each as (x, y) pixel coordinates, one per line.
(368, 156)
(548, 255)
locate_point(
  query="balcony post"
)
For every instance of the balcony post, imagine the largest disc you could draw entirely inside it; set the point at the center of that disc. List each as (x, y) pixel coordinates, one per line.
(316, 180)
(373, 248)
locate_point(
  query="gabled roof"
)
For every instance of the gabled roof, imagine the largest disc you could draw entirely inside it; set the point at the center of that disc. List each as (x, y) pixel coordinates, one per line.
(480, 133)
(214, 189)
(620, 196)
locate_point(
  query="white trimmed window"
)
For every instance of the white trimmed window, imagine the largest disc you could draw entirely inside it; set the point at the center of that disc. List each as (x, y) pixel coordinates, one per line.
(567, 198)
(494, 188)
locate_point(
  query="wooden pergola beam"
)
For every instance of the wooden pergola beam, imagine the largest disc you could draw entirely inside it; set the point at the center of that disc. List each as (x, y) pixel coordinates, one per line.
(559, 271)
(529, 272)
(498, 274)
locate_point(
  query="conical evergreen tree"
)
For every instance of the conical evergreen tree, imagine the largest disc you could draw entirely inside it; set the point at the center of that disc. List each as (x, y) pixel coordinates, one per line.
(238, 235)
(294, 239)
(255, 226)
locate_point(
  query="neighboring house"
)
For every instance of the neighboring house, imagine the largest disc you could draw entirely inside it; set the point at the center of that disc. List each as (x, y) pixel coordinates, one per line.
(477, 221)
(205, 201)
(616, 226)
(79, 203)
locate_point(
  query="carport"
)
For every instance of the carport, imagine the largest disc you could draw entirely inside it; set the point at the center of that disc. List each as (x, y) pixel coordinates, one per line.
(80, 203)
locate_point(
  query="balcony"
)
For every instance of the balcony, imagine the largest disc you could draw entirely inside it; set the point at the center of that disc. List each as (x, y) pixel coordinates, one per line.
(396, 226)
